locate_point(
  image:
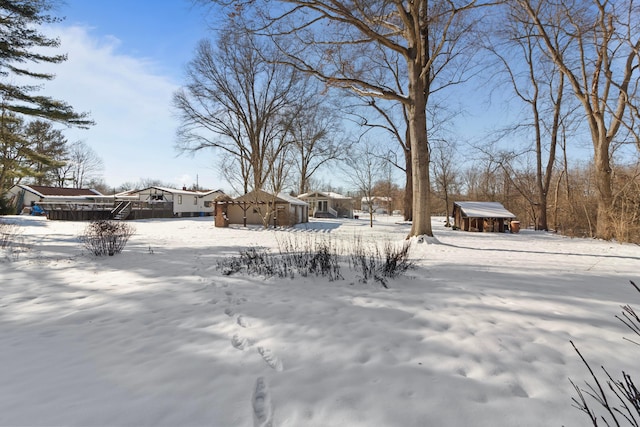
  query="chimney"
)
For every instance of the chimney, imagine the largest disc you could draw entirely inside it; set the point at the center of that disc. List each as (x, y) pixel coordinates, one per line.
(184, 187)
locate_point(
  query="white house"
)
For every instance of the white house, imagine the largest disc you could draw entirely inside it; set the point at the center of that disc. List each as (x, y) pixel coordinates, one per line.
(327, 204)
(183, 202)
(377, 204)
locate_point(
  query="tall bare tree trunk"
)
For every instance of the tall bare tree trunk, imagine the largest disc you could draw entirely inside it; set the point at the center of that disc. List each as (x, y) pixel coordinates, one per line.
(408, 187)
(604, 224)
(419, 152)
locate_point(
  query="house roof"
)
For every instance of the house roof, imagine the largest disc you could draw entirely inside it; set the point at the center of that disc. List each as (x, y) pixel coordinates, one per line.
(45, 191)
(327, 194)
(174, 191)
(483, 210)
(292, 200)
(263, 196)
(376, 199)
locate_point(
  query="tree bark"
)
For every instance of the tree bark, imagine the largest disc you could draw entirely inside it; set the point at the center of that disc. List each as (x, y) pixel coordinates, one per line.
(419, 152)
(408, 187)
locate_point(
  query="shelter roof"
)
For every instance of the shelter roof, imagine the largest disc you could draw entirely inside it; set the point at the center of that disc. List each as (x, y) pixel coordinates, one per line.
(484, 210)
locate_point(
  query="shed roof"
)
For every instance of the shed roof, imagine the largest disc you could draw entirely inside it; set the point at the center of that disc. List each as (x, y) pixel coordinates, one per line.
(483, 210)
(263, 196)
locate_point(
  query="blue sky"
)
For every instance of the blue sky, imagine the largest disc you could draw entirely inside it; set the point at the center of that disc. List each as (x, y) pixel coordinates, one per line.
(125, 60)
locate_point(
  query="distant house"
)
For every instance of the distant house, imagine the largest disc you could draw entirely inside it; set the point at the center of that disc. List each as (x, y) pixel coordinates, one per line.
(376, 204)
(85, 204)
(481, 216)
(260, 207)
(180, 202)
(326, 204)
(23, 197)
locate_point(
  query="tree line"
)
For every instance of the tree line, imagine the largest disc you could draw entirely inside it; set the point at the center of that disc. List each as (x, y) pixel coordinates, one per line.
(572, 66)
(283, 89)
(31, 147)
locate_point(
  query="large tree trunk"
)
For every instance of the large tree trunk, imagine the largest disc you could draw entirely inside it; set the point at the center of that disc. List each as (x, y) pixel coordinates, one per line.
(419, 153)
(604, 226)
(408, 187)
(541, 214)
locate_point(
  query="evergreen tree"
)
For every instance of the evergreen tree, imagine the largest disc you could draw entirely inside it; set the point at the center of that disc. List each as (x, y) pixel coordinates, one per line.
(22, 43)
(49, 148)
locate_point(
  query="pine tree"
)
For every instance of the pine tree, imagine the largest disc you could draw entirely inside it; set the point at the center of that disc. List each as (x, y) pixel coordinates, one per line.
(22, 43)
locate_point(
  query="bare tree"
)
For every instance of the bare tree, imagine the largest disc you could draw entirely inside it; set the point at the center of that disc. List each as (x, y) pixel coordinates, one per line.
(363, 166)
(317, 140)
(334, 41)
(539, 84)
(238, 102)
(600, 63)
(445, 172)
(85, 164)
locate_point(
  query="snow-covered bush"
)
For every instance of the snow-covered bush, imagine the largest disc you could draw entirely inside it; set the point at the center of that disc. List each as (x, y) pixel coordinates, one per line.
(608, 400)
(106, 237)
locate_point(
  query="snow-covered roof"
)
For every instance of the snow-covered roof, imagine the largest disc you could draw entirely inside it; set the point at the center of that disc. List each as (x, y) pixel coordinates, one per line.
(292, 200)
(327, 194)
(484, 210)
(174, 191)
(263, 196)
(376, 199)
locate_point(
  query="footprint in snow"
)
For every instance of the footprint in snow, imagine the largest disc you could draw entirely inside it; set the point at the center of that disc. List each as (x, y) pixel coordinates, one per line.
(242, 321)
(240, 343)
(271, 359)
(229, 312)
(261, 403)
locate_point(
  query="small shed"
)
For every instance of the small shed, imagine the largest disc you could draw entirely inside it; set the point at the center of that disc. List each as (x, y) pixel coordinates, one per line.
(260, 207)
(481, 216)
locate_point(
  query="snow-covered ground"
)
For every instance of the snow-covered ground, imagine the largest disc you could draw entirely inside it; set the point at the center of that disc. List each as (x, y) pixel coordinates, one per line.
(476, 335)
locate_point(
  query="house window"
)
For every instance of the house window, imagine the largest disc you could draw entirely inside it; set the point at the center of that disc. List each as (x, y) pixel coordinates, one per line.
(195, 200)
(179, 199)
(156, 197)
(207, 204)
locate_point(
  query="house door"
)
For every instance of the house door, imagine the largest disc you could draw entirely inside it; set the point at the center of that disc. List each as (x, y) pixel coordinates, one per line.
(322, 205)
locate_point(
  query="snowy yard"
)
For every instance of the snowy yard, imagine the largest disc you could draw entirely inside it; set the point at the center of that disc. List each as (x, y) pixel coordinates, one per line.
(476, 335)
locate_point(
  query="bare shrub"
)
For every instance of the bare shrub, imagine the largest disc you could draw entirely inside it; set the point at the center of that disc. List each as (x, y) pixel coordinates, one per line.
(379, 264)
(608, 400)
(322, 257)
(8, 234)
(106, 237)
(11, 242)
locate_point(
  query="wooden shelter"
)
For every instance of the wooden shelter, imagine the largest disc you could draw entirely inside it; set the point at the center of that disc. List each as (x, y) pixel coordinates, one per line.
(482, 216)
(262, 208)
